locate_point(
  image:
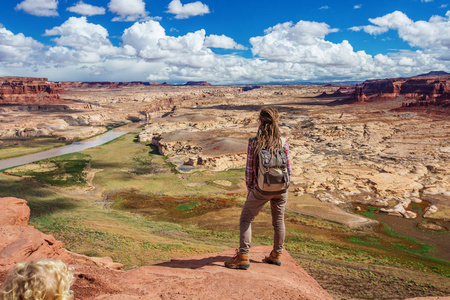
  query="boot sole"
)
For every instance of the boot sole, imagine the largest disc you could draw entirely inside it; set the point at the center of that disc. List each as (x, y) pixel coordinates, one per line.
(273, 263)
(240, 267)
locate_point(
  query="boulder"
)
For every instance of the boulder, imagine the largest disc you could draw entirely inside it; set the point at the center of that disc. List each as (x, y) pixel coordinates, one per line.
(14, 211)
(25, 243)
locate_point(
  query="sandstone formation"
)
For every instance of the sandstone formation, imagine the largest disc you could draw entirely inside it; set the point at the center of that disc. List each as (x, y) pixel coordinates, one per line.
(20, 242)
(423, 90)
(14, 211)
(98, 278)
(29, 90)
(341, 154)
(199, 140)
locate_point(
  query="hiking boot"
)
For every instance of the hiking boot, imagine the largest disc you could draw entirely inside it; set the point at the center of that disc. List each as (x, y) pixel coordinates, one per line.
(239, 261)
(273, 258)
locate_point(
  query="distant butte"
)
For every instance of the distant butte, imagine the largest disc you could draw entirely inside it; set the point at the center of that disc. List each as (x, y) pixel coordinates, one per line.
(29, 90)
(431, 89)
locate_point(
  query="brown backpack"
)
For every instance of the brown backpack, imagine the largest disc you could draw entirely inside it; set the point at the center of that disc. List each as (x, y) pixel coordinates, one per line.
(272, 175)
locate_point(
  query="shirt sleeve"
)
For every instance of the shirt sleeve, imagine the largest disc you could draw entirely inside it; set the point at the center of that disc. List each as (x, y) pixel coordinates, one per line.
(249, 168)
(286, 148)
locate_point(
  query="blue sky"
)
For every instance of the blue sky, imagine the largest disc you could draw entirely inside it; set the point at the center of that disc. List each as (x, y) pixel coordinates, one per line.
(223, 42)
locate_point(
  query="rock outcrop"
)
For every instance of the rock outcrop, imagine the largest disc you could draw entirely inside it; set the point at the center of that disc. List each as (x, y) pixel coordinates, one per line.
(14, 212)
(20, 242)
(424, 90)
(198, 277)
(29, 90)
(197, 140)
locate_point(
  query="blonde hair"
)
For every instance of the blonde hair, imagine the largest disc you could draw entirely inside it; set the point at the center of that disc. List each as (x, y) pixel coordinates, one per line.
(268, 135)
(39, 280)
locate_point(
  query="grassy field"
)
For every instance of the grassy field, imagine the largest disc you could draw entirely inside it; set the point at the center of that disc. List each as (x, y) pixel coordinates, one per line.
(123, 200)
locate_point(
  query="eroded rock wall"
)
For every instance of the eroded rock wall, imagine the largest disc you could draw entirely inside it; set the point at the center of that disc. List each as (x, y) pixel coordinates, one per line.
(425, 90)
(29, 90)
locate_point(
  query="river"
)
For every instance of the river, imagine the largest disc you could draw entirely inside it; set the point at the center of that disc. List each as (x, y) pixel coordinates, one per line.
(74, 147)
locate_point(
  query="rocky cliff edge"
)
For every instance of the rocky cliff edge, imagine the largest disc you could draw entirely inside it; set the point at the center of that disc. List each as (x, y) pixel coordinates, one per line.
(199, 277)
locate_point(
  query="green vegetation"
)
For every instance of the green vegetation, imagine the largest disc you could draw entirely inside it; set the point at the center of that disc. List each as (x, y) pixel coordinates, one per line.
(63, 171)
(124, 200)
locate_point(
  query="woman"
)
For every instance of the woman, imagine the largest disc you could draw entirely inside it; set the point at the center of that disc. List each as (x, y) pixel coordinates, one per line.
(268, 137)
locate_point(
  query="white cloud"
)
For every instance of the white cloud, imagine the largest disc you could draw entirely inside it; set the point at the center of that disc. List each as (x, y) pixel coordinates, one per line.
(80, 41)
(396, 19)
(357, 6)
(431, 34)
(222, 41)
(443, 6)
(426, 1)
(371, 29)
(86, 9)
(16, 46)
(128, 10)
(303, 43)
(152, 44)
(142, 35)
(324, 7)
(184, 11)
(44, 8)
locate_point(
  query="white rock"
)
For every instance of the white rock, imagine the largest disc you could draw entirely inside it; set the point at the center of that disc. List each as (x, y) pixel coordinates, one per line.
(430, 210)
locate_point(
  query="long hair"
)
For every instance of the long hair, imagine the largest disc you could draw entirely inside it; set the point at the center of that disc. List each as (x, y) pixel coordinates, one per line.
(268, 135)
(39, 280)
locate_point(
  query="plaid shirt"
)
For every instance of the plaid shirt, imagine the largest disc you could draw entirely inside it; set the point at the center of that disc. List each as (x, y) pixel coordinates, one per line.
(250, 173)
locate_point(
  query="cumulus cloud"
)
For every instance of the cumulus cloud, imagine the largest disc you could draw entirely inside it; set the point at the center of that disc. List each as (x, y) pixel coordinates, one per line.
(324, 7)
(142, 35)
(222, 41)
(152, 44)
(86, 9)
(357, 6)
(16, 47)
(303, 43)
(184, 11)
(431, 34)
(80, 42)
(44, 8)
(128, 10)
(371, 29)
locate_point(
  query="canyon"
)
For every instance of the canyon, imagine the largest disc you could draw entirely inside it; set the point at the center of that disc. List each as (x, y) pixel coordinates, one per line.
(422, 90)
(381, 146)
(369, 152)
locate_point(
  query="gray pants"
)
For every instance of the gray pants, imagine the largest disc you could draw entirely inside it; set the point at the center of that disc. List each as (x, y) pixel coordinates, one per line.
(253, 205)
